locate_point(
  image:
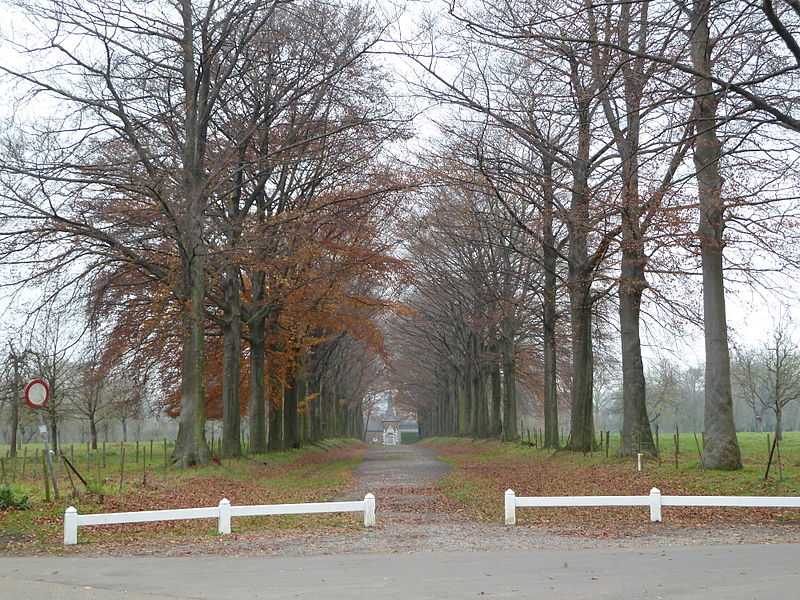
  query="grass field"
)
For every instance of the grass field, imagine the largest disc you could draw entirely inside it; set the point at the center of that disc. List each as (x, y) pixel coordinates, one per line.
(754, 446)
(313, 474)
(483, 470)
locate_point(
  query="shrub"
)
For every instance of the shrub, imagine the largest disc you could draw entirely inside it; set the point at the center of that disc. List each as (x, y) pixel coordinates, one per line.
(8, 499)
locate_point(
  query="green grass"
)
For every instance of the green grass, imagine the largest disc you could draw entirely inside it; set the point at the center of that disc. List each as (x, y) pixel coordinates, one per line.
(483, 469)
(316, 473)
(86, 460)
(754, 448)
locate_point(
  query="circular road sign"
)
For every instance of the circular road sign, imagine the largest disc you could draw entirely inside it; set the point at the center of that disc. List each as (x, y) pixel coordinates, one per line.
(37, 393)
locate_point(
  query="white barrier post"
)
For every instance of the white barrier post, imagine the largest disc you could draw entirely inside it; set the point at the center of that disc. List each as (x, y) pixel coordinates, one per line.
(639, 457)
(655, 505)
(511, 508)
(224, 525)
(70, 526)
(369, 510)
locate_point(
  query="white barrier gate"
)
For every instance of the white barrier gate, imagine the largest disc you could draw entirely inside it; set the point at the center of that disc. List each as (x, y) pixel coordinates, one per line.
(223, 513)
(655, 501)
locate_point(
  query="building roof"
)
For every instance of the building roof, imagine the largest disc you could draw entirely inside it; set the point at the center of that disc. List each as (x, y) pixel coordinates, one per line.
(375, 425)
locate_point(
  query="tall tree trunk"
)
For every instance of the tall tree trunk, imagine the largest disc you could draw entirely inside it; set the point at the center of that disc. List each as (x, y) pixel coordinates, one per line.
(324, 408)
(257, 394)
(636, 433)
(315, 411)
(582, 414)
(231, 366)
(463, 408)
(275, 406)
(331, 415)
(335, 416)
(358, 423)
(190, 445)
(482, 429)
(301, 380)
(579, 286)
(93, 431)
(452, 418)
(721, 446)
(479, 391)
(469, 395)
(549, 265)
(16, 399)
(509, 390)
(497, 393)
(291, 399)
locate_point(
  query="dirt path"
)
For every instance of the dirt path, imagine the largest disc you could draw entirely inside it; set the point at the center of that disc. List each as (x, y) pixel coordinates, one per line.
(403, 479)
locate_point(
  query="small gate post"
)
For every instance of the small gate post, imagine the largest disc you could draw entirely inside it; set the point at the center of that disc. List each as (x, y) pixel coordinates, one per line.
(369, 510)
(655, 505)
(70, 526)
(224, 526)
(511, 508)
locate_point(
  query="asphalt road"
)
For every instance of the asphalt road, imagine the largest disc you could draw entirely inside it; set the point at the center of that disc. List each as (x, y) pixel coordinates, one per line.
(708, 572)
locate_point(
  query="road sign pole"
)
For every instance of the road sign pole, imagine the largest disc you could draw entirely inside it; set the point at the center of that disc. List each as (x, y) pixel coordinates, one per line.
(43, 431)
(36, 396)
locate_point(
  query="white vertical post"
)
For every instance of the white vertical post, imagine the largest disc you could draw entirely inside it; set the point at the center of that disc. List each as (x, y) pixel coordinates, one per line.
(655, 505)
(511, 508)
(639, 456)
(224, 526)
(369, 510)
(70, 526)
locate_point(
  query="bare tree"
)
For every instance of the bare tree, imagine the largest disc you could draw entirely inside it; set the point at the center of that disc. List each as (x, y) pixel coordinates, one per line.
(16, 363)
(744, 368)
(770, 375)
(122, 175)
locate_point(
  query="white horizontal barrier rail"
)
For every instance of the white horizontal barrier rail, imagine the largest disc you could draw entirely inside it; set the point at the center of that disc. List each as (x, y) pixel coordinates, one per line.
(148, 515)
(583, 501)
(754, 501)
(223, 513)
(296, 509)
(655, 501)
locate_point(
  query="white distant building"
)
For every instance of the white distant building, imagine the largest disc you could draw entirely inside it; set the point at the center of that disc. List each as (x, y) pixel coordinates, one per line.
(391, 429)
(388, 431)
